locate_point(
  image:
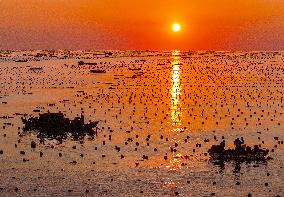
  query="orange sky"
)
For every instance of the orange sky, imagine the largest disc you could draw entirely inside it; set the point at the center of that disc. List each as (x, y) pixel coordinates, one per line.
(142, 24)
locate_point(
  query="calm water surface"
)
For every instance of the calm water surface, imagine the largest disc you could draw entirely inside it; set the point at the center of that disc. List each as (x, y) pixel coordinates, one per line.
(159, 114)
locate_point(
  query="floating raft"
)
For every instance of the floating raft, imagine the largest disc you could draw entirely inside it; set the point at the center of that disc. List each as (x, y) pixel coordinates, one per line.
(56, 126)
(241, 152)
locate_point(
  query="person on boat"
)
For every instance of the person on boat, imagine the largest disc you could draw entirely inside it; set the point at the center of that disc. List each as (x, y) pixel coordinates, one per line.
(222, 145)
(238, 144)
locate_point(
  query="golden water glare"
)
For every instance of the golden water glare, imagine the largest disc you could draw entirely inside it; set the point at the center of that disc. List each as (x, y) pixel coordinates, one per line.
(175, 163)
(175, 88)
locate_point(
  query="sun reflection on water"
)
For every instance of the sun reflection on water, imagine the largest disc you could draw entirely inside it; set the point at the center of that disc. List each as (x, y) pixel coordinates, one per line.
(176, 88)
(175, 163)
(169, 183)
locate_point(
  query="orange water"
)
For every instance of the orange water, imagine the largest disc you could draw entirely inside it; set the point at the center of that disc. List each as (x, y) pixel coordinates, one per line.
(178, 98)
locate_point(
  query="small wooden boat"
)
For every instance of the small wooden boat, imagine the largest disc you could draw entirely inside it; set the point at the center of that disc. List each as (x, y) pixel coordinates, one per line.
(97, 71)
(21, 60)
(56, 126)
(243, 153)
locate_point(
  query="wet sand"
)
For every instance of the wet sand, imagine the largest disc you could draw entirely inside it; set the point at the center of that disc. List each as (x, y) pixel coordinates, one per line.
(158, 113)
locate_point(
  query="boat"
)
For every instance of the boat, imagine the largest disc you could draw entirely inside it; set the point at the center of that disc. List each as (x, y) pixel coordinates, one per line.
(21, 60)
(97, 71)
(240, 152)
(133, 69)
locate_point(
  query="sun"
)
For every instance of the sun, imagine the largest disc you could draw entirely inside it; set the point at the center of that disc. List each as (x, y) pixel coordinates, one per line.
(176, 27)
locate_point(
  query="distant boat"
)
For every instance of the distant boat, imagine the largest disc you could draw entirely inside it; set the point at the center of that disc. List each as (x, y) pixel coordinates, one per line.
(36, 68)
(134, 69)
(97, 71)
(80, 63)
(178, 64)
(24, 60)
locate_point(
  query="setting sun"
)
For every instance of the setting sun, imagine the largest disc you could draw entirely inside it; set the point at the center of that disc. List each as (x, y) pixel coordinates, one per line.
(176, 27)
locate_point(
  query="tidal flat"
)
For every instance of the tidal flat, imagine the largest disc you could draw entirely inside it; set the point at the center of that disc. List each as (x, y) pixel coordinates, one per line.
(158, 114)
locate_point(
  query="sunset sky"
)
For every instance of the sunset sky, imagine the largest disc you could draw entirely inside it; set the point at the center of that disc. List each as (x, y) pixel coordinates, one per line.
(142, 24)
